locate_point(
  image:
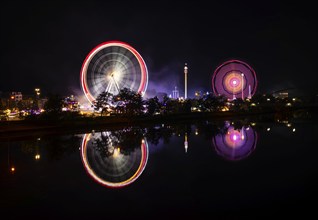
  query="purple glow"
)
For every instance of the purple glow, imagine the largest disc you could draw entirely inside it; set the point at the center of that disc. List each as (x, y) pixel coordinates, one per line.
(235, 144)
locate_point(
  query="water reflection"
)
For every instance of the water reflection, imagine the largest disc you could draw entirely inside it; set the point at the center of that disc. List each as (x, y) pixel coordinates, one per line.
(235, 144)
(113, 160)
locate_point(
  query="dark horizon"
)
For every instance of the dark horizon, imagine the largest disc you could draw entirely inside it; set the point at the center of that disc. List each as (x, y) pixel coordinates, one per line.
(45, 43)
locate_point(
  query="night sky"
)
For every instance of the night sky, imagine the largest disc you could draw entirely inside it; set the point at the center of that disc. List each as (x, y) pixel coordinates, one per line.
(43, 44)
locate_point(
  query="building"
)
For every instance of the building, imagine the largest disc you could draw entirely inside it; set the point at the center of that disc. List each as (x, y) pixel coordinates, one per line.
(281, 95)
(16, 96)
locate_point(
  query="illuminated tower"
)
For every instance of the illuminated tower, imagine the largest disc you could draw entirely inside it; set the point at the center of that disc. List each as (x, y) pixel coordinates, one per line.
(185, 81)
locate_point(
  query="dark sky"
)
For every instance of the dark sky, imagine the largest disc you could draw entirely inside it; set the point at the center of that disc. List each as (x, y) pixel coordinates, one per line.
(43, 44)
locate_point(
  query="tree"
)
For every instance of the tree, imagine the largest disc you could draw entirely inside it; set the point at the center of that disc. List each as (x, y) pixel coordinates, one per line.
(1, 105)
(103, 102)
(54, 104)
(153, 105)
(129, 102)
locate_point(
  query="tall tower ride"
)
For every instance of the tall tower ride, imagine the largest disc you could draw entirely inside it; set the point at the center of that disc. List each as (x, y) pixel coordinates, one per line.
(185, 81)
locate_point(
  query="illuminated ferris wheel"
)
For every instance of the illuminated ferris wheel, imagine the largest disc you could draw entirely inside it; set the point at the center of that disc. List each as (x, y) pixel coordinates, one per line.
(112, 66)
(234, 79)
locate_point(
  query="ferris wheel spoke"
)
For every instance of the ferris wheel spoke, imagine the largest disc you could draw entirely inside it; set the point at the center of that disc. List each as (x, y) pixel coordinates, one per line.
(109, 87)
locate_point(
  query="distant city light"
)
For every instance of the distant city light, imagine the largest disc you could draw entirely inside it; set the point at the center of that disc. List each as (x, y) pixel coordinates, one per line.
(196, 132)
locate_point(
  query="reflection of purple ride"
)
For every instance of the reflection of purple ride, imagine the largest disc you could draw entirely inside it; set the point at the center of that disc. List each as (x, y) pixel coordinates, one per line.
(235, 144)
(234, 79)
(117, 170)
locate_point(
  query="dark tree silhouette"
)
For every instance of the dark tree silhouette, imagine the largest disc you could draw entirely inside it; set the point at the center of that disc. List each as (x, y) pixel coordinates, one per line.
(54, 104)
(153, 105)
(103, 103)
(128, 102)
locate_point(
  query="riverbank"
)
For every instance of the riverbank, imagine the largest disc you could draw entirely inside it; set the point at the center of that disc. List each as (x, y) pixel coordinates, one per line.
(36, 128)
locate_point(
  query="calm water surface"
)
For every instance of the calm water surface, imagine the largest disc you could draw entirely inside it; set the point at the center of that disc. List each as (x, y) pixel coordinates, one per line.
(228, 169)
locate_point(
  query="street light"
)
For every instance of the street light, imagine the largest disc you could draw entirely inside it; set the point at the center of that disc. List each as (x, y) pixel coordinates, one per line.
(242, 85)
(37, 91)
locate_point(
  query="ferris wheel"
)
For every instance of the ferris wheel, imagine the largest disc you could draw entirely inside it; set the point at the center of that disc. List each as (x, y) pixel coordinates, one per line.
(234, 79)
(112, 66)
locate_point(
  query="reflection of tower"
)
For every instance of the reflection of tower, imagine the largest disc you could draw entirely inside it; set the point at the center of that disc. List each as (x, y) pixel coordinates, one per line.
(249, 92)
(185, 81)
(186, 142)
(175, 93)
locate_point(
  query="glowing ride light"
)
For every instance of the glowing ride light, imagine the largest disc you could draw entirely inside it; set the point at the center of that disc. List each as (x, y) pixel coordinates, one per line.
(233, 78)
(112, 66)
(117, 170)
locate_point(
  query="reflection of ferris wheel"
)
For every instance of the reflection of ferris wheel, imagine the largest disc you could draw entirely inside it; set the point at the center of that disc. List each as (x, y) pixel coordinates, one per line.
(235, 144)
(234, 79)
(112, 66)
(117, 169)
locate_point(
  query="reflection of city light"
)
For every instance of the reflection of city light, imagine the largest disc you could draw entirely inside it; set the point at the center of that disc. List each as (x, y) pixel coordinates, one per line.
(243, 136)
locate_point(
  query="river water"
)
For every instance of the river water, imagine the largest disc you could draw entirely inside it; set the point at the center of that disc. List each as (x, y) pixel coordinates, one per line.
(225, 169)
